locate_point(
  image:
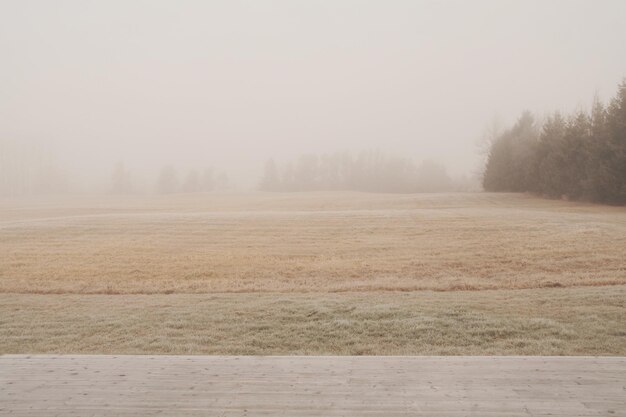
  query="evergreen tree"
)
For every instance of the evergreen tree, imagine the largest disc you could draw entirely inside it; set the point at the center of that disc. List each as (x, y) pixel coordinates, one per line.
(510, 160)
(549, 162)
(583, 158)
(615, 162)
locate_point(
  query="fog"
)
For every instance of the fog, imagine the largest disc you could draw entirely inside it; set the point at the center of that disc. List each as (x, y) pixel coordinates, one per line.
(227, 85)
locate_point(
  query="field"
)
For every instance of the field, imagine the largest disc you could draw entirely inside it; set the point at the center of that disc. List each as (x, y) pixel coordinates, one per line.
(312, 273)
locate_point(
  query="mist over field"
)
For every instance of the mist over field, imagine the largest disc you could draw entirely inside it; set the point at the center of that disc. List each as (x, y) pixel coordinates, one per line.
(350, 185)
(163, 96)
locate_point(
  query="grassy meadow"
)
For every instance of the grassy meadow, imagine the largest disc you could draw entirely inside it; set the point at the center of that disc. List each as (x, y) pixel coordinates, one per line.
(312, 273)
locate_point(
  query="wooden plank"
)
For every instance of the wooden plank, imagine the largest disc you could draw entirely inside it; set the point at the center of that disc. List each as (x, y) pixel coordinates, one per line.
(311, 386)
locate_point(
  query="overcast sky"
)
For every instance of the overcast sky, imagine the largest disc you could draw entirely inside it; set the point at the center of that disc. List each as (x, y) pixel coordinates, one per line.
(230, 83)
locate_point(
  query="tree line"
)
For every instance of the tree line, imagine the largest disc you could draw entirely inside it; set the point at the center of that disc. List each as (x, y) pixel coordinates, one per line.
(27, 168)
(168, 181)
(581, 156)
(370, 171)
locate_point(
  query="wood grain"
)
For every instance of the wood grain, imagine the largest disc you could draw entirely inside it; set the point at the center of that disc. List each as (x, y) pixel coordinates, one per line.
(98, 385)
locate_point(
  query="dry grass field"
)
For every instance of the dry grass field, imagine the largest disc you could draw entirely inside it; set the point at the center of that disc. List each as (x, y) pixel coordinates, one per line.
(308, 242)
(312, 273)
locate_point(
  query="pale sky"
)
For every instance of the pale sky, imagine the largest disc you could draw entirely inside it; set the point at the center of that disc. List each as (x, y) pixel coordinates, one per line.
(231, 83)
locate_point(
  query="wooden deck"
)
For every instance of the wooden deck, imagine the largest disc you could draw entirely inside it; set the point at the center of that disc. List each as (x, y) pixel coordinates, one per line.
(45, 385)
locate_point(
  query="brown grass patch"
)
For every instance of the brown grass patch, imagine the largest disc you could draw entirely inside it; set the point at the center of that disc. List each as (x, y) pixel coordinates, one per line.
(310, 242)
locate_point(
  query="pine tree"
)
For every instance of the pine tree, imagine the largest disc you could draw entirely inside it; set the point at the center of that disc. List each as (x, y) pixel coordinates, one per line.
(583, 158)
(615, 189)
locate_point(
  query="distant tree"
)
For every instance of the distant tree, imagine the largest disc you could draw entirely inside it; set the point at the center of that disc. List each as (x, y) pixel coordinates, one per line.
(332, 173)
(593, 187)
(207, 183)
(306, 172)
(509, 163)
(288, 180)
(121, 180)
(270, 180)
(432, 177)
(29, 167)
(576, 150)
(369, 171)
(192, 182)
(614, 157)
(549, 162)
(168, 180)
(394, 175)
(222, 182)
(583, 157)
